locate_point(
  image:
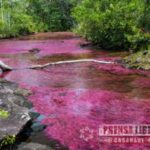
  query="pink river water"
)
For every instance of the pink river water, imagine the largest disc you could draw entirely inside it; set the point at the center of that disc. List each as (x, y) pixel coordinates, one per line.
(75, 99)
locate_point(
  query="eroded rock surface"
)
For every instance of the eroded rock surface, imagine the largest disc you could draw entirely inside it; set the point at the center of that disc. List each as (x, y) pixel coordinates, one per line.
(13, 101)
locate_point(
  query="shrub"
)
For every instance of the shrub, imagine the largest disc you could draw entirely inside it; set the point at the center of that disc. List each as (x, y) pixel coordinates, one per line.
(111, 24)
(14, 19)
(8, 140)
(22, 24)
(145, 19)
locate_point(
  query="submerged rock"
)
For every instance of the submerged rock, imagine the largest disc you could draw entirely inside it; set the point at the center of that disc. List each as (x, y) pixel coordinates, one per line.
(15, 105)
(34, 50)
(139, 60)
(37, 127)
(34, 115)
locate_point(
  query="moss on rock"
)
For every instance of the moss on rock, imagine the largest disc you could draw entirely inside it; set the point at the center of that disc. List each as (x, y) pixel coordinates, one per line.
(139, 60)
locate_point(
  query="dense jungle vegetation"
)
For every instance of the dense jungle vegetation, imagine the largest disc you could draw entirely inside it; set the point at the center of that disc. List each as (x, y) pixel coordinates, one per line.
(110, 24)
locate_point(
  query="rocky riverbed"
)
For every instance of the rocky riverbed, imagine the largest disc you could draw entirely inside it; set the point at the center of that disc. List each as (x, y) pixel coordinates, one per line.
(14, 103)
(15, 116)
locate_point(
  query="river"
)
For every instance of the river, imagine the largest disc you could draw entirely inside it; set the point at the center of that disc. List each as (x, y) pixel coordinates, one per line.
(75, 99)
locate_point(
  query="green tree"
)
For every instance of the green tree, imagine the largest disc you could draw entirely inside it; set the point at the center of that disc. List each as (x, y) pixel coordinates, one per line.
(112, 24)
(14, 18)
(145, 19)
(51, 15)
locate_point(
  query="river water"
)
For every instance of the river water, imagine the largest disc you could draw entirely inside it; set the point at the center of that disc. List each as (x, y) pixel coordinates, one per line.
(75, 99)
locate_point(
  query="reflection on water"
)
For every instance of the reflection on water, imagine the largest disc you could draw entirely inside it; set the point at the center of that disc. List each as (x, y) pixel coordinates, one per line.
(71, 97)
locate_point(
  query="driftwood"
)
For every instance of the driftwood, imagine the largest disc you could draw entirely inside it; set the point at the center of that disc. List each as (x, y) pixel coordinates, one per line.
(69, 62)
(5, 67)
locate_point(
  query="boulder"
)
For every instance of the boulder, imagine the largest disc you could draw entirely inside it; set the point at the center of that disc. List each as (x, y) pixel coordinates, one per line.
(15, 105)
(37, 127)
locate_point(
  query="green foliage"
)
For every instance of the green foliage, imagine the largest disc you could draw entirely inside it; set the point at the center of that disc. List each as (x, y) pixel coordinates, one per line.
(4, 114)
(145, 19)
(8, 140)
(139, 60)
(14, 19)
(112, 24)
(52, 15)
(29, 16)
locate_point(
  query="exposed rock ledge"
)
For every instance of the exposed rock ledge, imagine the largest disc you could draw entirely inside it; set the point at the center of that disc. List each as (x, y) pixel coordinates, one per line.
(13, 101)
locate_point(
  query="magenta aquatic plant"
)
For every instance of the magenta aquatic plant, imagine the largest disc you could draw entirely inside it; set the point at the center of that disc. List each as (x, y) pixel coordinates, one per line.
(75, 99)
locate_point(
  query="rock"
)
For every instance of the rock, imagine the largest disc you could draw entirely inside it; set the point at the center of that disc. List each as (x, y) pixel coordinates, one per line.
(34, 115)
(23, 92)
(145, 52)
(34, 50)
(119, 61)
(15, 106)
(19, 100)
(86, 44)
(37, 127)
(33, 146)
(138, 60)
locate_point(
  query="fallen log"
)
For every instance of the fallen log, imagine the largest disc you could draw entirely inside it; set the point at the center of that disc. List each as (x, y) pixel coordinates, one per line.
(69, 62)
(5, 67)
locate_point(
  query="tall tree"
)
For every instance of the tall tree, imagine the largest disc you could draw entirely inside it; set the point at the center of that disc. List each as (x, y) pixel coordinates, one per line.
(53, 14)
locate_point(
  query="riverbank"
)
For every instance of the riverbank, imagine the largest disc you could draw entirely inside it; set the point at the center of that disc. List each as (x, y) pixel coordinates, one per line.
(138, 60)
(17, 121)
(14, 109)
